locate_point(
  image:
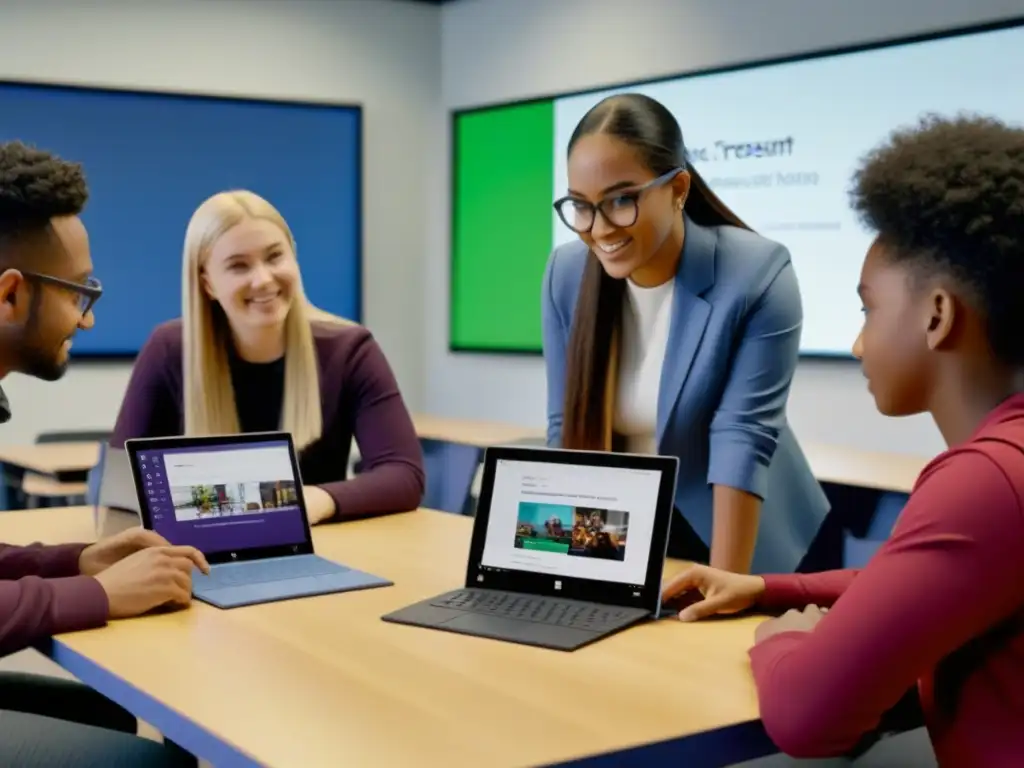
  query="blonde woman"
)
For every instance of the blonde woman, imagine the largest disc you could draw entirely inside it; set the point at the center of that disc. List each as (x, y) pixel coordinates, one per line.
(251, 354)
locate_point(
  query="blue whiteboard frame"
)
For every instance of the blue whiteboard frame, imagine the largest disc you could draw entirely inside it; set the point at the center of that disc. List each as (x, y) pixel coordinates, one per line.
(150, 157)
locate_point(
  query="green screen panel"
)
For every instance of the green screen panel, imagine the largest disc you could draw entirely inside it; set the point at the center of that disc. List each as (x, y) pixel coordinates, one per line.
(502, 225)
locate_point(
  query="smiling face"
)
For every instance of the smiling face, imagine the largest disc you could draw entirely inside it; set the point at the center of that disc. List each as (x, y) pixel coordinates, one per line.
(42, 313)
(252, 273)
(605, 170)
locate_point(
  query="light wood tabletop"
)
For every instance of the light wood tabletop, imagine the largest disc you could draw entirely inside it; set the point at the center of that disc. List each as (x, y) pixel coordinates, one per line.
(830, 463)
(309, 682)
(864, 469)
(52, 459)
(482, 434)
(878, 470)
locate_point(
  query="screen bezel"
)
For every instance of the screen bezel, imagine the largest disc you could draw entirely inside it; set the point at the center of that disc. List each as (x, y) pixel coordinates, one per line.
(136, 445)
(647, 597)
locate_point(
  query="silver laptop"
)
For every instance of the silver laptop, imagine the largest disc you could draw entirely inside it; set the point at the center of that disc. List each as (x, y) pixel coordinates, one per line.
(238, 499)
(568, 547)
(117, 484)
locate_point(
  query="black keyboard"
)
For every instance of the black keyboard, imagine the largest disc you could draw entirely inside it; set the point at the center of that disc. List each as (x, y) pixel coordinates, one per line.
(541, 610)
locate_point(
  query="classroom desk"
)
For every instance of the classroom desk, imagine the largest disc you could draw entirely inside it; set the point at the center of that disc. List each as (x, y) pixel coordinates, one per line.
(66, 462)
(45, 469)
(323, 681)
(453, 450)
(874, 470)
(478, 433)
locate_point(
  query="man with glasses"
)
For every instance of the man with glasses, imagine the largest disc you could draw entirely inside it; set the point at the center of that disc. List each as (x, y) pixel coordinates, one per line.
(47, 293)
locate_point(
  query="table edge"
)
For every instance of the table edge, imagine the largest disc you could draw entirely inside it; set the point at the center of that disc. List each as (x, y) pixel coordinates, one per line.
(723, 746)
(172, 724)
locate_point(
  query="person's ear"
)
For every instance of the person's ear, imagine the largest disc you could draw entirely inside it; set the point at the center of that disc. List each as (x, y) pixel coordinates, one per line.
(11, 281)
(205, 285)
(941, 318)
(680, 189)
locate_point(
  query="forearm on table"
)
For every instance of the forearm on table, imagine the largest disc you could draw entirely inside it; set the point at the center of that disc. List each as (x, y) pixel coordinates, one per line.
(48, 561)
(384, 489)
(34, 608)
(734, 533)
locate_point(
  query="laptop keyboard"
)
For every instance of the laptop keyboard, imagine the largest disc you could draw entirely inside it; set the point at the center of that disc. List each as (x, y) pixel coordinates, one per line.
(541, 610)
(262, 571)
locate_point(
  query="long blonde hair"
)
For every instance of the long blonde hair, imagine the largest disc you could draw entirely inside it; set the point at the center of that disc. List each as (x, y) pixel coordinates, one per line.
(209, 398)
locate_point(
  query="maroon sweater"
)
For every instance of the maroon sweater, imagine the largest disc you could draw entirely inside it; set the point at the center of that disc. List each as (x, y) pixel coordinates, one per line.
(358, 395)
(941, 606)
(42, 594)
(41, 590)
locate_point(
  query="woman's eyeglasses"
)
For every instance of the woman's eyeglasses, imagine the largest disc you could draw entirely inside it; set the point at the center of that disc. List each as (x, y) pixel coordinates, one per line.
(620, 209)
(88, 292)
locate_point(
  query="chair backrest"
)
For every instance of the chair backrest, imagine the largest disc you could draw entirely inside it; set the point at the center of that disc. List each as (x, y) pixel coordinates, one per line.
(75, 436)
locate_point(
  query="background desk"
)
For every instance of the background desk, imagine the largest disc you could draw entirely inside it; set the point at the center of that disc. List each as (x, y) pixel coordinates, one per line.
(867, 489)
(45, 469)
(452, 452)
(323, 681)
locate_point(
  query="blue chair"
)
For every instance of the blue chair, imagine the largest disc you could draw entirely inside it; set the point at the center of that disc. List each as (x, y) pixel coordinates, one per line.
(858, 550)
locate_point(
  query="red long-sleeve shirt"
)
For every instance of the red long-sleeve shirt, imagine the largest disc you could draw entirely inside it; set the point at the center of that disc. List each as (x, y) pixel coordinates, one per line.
(42, 594)
(952, 572)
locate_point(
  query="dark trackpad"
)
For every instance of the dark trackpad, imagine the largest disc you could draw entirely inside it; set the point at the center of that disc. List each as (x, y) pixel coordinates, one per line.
(527, 632)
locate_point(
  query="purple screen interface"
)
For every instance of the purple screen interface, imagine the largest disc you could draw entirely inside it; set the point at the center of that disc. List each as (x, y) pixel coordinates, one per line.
(223, 499)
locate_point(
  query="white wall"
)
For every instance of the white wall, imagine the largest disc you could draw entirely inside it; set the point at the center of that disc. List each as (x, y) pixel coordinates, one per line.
(495, 50)
(385, 55)
(407, 63)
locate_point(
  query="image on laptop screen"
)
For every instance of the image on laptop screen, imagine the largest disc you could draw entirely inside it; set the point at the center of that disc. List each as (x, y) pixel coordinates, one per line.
(576, 521)
(223, 498)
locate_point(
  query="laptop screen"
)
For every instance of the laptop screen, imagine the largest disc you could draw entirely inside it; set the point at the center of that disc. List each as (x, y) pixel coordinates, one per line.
(576, 521)
(223, 498)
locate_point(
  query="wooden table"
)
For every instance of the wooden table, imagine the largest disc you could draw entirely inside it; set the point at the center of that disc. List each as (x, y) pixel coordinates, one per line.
(875, 470)
(481, 434)
(45, 471)
(323, 681)
(65, 462)
(453, 449)
(452, 452)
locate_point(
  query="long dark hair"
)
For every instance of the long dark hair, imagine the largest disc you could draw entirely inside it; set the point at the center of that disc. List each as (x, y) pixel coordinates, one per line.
(648, 127)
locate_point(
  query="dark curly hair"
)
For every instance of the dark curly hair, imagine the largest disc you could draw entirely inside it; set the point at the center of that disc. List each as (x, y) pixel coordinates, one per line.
(35, 186)
(948, 196)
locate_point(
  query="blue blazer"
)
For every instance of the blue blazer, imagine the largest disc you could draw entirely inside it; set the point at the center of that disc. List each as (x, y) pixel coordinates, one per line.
(732, 349)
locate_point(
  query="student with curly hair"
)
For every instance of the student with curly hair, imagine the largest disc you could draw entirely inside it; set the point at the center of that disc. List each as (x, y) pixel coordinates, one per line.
(47, 293)
(940, 608)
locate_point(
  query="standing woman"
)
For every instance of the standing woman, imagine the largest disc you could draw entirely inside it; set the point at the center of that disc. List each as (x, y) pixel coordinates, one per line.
(672, 328)
(251, 354)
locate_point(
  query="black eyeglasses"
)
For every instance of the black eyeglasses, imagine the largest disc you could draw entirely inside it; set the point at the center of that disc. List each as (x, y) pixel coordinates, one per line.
(620, 209)
(88, 292)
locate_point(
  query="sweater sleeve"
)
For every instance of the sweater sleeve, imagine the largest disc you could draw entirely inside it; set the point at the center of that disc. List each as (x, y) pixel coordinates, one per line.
(393, 478)
(39, 560)
(785, 591)
(33, 608)
(951, 571)
(149, 408)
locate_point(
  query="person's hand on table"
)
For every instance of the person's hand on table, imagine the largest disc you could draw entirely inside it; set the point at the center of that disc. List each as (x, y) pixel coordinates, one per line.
(721, 592)
(319, 504)
(104, 553)
(154, 577)
(791, 621)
